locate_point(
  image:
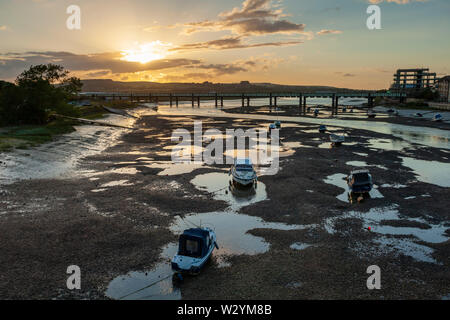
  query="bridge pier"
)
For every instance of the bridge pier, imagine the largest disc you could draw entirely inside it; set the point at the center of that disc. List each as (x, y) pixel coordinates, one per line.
(243, 99)
(248, 101)
(170, 98)
(198, 101)
(176, 101)
(217, 103)
(193, 101)
(275, 100)
(221, 102)
(370, 101)
(270, 101)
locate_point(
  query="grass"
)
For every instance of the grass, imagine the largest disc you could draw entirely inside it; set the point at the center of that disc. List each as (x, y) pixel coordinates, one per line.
(23, 137)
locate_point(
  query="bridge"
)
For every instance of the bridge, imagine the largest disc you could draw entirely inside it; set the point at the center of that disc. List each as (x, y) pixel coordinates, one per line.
(196, 98)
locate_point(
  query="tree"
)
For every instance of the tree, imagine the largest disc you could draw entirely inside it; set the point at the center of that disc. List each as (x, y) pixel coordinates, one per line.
(39, 91)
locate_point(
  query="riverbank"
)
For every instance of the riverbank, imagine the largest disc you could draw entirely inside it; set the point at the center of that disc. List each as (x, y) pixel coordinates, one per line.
(24, 137)
(121, 208)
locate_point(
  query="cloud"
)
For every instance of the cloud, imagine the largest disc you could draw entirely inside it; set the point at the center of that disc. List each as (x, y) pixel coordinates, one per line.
(255, 17)
(230, 43)
(324, 32)
(12, 64)
(4, 28)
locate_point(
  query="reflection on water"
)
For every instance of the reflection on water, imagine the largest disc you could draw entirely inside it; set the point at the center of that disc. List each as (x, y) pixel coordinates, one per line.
(340, 180)
(300, 246)
(407, 246)
(433, 172)
(389, 144)
(218, 183)
(421, 135)
(232, 231)
(122, 286)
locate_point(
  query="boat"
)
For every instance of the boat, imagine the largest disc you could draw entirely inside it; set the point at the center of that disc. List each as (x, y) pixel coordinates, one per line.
(337, 140)
(418, 115)
(360, 182)
(244, 174)
(195, 247)
(438, 118)
(277, 124)
(371, 114)
(322, 129)
(272, 126)
(316, 112)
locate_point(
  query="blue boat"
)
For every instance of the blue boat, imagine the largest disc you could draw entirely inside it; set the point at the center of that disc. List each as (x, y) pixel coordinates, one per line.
(278, 124)
(195, 248)
(438, 118)
(322, 129)
(360, 182)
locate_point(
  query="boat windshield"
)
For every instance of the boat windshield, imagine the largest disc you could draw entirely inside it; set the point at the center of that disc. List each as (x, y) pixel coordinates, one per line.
(361, 177)
(190, 248)
(245, 168)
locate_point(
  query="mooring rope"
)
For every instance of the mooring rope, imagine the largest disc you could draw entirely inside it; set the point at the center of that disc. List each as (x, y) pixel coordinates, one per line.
(165, 278)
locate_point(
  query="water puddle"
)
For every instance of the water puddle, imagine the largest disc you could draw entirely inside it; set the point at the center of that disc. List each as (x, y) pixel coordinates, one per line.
(218, 184)
(433, 172)
(339, 180)
(300, 246)
(174, 169)
(389, 145)
(125, 287)
(232, 231)
(374, 218)
(364, 164)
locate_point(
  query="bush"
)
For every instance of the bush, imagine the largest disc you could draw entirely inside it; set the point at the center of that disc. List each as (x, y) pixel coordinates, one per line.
(38, 92)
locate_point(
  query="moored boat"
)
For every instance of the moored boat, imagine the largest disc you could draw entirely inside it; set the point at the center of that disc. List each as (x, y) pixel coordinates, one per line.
(322, 129)
(194, 250)
(371, 114)
(360, 181)
(244, 174)
(277, 124)
(438, 118)
(337, 140)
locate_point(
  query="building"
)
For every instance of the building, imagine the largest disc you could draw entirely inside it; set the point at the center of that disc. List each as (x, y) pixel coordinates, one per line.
(413, 79)
(443, 87)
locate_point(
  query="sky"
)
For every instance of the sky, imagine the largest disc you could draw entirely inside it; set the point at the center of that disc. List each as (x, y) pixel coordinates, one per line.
(298, 42)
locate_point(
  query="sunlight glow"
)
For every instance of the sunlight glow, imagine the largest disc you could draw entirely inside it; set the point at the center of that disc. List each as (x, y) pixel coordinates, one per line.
(147, 52)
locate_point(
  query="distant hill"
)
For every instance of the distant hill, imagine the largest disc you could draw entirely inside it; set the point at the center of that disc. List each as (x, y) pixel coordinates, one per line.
(107, 85)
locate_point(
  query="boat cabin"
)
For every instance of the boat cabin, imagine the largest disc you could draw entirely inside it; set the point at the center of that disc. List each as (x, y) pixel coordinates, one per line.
(243, 165)
(194, 243)
(360, 181)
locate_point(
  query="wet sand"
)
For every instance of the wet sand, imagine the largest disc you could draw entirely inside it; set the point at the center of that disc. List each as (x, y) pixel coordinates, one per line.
(124, 205)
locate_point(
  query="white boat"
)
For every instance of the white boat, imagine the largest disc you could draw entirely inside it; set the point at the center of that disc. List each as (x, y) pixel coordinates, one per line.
(243, 172)
(194, 250)
(337, 140)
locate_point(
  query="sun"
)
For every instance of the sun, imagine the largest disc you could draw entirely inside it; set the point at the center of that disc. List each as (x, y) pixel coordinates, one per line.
(147, 52)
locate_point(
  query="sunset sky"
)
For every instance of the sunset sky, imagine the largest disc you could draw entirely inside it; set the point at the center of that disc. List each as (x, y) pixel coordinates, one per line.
(301, 42)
